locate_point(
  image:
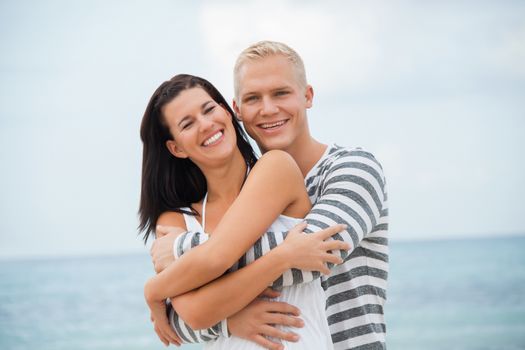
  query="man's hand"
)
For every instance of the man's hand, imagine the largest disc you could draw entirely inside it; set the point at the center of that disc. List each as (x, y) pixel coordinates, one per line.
(258, 320)
(162, 249)
(161, 324)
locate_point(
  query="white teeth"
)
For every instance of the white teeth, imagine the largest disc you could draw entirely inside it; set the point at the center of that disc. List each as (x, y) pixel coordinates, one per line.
(213, 139)
(273, 125)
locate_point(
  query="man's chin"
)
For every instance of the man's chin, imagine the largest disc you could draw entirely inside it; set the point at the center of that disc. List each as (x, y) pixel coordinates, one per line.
(271, 145)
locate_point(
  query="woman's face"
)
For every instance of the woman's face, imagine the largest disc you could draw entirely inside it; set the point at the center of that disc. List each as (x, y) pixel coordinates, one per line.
(202, 129)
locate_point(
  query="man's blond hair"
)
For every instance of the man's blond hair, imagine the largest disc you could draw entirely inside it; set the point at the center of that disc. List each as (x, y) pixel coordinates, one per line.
(263, 49)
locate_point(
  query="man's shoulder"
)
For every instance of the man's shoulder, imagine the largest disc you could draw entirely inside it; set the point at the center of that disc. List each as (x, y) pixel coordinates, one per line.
(339, 156)
(344, 160)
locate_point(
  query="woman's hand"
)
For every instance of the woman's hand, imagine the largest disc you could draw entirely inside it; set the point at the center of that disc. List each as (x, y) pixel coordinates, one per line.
(311, 252)
(161, 323)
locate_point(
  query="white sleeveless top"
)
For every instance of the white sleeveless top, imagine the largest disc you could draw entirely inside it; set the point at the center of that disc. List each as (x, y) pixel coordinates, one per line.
(308, 297)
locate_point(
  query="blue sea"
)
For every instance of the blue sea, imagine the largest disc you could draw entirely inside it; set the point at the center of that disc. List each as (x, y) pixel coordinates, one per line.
(453, 294)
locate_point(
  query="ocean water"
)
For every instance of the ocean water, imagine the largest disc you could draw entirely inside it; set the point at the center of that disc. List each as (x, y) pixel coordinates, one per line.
(455, 294)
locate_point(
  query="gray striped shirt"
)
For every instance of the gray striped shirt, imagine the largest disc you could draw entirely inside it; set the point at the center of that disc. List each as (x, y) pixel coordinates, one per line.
(346, 186)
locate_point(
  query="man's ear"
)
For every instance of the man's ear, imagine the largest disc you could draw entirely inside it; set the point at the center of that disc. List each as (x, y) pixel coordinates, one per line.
(309, 96)
(175, 149)
(237, 110)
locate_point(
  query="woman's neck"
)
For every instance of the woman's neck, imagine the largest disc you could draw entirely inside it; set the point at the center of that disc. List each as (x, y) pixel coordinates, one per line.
(224, 182)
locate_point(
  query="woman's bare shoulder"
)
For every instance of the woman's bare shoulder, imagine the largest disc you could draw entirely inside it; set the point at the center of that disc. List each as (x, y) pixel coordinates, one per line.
(277, 161)
(171, 218)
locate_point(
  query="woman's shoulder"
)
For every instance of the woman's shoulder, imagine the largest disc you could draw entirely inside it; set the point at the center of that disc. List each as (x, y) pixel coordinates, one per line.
(171, 218)
(276, 155)
(277, 160)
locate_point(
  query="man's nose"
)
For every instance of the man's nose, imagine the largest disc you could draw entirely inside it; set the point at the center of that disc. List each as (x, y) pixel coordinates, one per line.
(268, 106)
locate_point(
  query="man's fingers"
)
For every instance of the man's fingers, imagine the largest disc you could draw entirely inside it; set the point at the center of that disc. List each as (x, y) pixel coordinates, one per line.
(266, 343)
(269, 293)
(283, 320)
(284, 308)
(152, 247)
(161, 231)
(274, 332)
(161, 336)
(169, 334)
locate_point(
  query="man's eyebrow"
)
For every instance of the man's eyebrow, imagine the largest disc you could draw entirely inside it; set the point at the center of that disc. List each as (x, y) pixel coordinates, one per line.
(282, 87)
(249, 93)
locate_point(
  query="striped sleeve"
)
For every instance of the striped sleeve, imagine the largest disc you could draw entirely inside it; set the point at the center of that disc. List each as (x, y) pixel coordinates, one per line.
(189, 335)
(262, 246)
(352, 193)
(184, 243)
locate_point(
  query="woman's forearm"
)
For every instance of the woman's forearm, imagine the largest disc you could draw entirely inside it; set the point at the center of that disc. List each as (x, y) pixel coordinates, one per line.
(190, 271)
(263, 198)
(206, 306)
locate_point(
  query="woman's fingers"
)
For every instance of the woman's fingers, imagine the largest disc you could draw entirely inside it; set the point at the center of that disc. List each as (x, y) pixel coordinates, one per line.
(330, 231)
(299, 227)
(331, 258)
(335, 244)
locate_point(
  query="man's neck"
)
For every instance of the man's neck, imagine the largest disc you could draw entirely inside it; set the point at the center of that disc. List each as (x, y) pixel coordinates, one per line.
(307, 154)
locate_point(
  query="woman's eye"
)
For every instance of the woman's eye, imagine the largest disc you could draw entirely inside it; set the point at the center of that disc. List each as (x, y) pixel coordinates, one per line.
(208, 110)
(186, 125)
(250, 99)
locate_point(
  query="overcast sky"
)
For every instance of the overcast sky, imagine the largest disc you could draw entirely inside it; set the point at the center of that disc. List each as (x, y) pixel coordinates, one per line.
(435, 90)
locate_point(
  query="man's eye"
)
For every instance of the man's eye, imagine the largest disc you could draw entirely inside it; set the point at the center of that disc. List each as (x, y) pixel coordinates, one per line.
(250, 99)
(281, 93)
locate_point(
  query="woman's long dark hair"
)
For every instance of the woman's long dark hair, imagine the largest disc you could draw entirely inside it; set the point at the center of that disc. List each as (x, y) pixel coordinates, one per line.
(170, 183)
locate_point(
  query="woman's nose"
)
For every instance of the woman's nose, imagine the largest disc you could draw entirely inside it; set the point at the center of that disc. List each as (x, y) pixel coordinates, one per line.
(205, 122)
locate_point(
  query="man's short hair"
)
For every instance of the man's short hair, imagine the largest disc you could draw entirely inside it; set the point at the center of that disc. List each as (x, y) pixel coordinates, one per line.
(263, 49)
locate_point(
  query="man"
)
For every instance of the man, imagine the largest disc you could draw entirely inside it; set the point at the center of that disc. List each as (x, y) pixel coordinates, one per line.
(345, 186)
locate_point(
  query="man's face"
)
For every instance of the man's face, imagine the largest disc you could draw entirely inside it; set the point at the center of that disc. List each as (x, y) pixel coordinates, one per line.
(272, 104)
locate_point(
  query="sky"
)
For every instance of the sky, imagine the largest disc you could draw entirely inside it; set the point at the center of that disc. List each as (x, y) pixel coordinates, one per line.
(434, 89)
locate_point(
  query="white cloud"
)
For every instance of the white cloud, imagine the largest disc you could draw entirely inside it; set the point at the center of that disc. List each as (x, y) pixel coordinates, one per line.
(373, 47)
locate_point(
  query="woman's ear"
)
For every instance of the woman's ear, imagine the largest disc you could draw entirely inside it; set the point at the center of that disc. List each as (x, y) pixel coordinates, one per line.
(175, 149)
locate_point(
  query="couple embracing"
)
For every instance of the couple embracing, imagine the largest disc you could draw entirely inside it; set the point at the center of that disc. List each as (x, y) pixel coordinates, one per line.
(306, 219)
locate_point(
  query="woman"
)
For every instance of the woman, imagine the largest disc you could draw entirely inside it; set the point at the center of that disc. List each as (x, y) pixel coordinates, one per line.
(196, 160)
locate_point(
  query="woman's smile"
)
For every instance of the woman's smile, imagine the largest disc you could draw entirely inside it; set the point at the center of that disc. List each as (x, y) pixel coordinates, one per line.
(216, 138)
